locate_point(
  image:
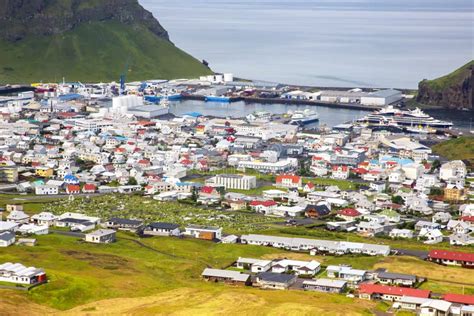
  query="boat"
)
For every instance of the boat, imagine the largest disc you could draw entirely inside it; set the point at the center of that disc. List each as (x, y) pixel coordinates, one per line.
(303, 117)
(213, 98)
(259, 116)
(414, 117)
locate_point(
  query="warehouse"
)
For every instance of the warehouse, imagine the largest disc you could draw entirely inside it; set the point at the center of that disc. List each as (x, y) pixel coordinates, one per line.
(19, 274)
(382, 97)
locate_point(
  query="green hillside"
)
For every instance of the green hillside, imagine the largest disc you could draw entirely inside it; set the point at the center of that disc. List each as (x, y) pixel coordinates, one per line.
(451, 79)
(95, 51)
(459, 148)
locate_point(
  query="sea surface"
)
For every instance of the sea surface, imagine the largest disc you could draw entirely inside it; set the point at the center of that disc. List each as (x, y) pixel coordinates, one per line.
(328, 116)
(332, 43)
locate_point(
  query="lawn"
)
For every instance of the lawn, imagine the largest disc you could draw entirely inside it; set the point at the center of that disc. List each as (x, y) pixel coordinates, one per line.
(458, 148)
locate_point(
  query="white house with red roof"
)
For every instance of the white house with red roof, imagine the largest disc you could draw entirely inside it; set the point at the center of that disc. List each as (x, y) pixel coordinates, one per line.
(264, 207)
(89, 188)
(453, 258)
(390, 293)
(340, 172)
(309, 187)
(349, 214)
(73, 189)
(289, 181)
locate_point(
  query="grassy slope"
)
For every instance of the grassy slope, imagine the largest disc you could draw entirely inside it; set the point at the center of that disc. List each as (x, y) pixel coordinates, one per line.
(458, 148)
(456, 76)
(126, 278)
(97, 51)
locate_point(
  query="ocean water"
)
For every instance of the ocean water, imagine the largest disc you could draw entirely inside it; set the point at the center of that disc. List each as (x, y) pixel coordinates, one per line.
(338, 43)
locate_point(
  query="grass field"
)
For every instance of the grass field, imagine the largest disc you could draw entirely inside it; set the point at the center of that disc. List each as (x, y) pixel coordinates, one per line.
(97, 51)
(126, 278)
(458, 148)
(91, 278)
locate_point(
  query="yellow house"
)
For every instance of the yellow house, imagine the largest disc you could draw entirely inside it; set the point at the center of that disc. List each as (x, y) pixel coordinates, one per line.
(454, 193)
(44, 172)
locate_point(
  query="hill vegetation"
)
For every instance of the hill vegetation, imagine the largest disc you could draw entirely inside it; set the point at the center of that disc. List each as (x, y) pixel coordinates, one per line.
(87, 40)
(454, 90)
(461, 148)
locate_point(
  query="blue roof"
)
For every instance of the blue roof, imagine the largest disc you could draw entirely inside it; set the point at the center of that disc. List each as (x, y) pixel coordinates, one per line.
(400, 161)
(69, 97)
(70, 177)
(193, 114)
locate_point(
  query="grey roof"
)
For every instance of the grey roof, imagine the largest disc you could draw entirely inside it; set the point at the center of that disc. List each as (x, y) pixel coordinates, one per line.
(7, 236)
(161, 225)
(102, 232)
(384, 93)
(401, 276)
(228, 274)
(276, 277)
(125, 221)
(326, 283)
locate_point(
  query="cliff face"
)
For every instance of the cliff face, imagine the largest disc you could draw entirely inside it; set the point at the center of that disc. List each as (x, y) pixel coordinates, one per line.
(454, 91)
(22, 18)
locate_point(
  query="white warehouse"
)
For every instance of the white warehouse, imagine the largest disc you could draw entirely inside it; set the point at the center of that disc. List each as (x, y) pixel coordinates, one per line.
(235, 181)
(382, 97)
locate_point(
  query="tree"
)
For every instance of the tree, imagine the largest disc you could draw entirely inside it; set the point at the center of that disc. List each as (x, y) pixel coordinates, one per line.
(132, 181)
(397, 199)
(435, 165)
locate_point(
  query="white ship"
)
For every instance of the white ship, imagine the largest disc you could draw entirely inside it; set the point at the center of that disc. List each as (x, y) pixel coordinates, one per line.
(406, 118)
(303, 117)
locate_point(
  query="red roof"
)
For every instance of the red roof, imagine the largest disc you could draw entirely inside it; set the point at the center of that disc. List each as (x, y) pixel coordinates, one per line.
(293, 178)
(89, 187)
(349, 212)
(459, 298)
(360, 170)
(263, 203)
(467, 219)
(393, 290)
(336, 168)
(207, 189)
(451, 255)
(310, 185)
(73, 188)
(186, 162)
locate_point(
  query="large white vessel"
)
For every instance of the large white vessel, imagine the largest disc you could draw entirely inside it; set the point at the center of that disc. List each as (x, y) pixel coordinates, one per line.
(303, 117)
(414, 117)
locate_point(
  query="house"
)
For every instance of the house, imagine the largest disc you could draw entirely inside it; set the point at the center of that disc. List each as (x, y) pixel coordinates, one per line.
(435, 308)
(264, 207)
(346, 273)
(398, 279)
(204, 232)
(296, 266)
(390, 216)
(369, 228)
(254, 265)
(441, 217)
(316, 211)
(348, 214)
(19, 217)
(161, 229)
(444, 257)
(401, 233)
(289, 181)
(226, 276)
(309, 187)
(19, 274)
(46, 190)
(32, 229)
(6, 239)
(275, 281)
(8, 226)
(76, 224)
(452, 169)
(455, 193)
(123, 224)
(389, 293)
(73, 189)
(89, 188)
(458, 227)
(340, 172)
(378, 186)
(101, 236)
(426, 225)
(461, 239)
(44, 218)
(459, 299)
(430, 236)
(14, 207)
(325, 285)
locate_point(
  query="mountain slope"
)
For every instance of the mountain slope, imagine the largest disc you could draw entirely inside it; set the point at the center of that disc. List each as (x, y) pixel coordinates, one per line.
(454, 90)
(86, 40)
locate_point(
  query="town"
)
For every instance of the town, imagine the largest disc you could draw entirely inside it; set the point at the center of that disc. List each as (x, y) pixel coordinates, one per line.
(101, 163)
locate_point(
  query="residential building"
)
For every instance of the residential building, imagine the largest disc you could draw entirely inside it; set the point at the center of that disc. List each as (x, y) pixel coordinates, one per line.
(275, 281)
(123, 224)
(325, 285)
(203, 232)
(226, 276)
(101, 236)
(19, 274)
(161, 229)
